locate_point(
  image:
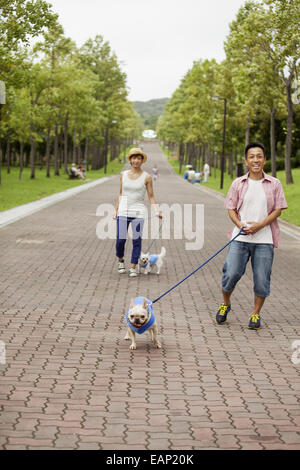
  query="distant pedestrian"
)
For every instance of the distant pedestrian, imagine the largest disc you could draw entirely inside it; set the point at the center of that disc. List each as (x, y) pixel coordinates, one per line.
(254, 201)
(206, 170)
(130, 208)
(155, 173)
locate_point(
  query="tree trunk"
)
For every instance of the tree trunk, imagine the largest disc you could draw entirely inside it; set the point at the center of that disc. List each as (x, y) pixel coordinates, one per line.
(66, 143)
(247, 134)
(94, 156)
(0, 142)
(215, 164)
(235, 160)
(32, 152)
(8, 153)
(74, 147)
(272, 141)
(181, 156)
(230, 165)
(289, 130)
(106, 149)
(0, 154)
(21, 160)
(79, 148)
(48, 148)
(86, 153)
(56, 169)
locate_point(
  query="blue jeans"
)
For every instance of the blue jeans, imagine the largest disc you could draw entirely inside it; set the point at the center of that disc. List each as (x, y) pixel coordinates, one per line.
(261, 261)
(137, 231)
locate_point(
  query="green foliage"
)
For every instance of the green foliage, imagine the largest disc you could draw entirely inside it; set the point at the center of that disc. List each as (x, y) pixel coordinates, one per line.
(262, 55)
(60, 97)
(19, 21)
(280, 164)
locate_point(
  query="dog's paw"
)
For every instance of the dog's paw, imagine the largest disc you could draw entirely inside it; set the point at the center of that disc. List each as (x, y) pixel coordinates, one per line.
(132, 346)
(157, 345)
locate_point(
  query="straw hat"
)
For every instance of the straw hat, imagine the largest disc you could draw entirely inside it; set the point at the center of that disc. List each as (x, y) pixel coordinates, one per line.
(137, 151)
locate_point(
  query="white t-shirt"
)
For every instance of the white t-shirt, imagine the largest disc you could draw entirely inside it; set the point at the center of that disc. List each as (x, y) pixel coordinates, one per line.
(254, 209)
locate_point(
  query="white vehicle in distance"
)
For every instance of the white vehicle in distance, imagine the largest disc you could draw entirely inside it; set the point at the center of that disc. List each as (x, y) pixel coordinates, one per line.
(149, 134)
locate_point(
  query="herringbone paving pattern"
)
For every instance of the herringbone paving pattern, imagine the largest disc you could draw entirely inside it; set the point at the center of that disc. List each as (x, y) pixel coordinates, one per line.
(70, 381)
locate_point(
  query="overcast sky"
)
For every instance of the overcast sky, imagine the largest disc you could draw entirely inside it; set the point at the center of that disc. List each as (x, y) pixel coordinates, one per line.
(156, 41)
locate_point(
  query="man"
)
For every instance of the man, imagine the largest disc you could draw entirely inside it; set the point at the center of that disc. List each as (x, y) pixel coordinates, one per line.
(206, 172)
(254, 201)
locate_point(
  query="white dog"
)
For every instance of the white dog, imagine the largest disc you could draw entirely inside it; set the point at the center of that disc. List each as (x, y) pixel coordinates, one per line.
(139, 319)
(147, 261)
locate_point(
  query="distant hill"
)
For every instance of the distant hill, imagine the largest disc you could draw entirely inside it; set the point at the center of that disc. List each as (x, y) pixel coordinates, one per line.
(150, 110)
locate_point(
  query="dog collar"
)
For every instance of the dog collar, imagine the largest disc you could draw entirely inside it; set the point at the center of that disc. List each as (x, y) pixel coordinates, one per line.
(146, 326)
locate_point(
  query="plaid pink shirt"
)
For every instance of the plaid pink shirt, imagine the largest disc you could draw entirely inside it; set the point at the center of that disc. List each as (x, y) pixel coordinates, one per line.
(274, 194)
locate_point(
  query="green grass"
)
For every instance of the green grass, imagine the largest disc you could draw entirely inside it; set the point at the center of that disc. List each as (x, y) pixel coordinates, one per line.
(14, 192)
(291, 191)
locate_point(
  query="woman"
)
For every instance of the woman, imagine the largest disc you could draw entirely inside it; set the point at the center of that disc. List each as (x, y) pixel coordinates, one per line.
(130, 208)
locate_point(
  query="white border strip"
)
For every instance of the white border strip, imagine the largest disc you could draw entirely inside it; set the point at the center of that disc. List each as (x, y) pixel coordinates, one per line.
(287, 232)
(12, 215)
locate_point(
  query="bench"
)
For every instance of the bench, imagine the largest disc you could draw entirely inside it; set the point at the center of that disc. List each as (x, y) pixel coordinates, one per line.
(71, 175)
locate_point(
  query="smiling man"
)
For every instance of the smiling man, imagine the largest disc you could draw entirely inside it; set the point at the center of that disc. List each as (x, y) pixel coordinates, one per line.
(254, 201)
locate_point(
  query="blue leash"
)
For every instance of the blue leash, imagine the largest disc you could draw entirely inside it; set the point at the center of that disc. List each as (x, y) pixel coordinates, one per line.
(148, 249)
(199, 267)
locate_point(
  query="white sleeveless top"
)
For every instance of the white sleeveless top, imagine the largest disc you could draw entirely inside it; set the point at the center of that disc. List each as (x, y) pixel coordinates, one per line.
(133, 195)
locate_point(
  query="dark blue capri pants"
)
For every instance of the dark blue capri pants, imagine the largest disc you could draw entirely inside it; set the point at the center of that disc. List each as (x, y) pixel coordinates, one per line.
(137, 232)
(261, 255)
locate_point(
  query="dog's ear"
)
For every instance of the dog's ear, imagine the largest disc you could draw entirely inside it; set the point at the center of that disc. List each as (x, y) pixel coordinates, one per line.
(144, 304)
(132, 303)
(148, 254)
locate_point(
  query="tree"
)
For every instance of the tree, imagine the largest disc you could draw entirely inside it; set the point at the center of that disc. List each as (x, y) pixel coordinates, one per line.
(263, 49)
(110, 92)
(19, 21)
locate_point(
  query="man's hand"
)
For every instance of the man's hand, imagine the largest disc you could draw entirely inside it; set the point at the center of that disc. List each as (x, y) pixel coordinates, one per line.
(252, 227)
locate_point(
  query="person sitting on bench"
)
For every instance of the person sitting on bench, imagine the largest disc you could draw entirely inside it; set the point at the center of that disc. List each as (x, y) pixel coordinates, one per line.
(75, 172)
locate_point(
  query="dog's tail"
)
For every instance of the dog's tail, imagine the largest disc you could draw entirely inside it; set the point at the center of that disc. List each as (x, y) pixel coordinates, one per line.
(163, 252)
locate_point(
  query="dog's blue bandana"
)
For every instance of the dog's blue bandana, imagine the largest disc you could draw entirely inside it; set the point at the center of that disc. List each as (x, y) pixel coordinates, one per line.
(139, 301)
(152, 260)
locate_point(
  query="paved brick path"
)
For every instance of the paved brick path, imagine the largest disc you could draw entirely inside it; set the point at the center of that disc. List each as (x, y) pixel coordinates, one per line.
(70, 381)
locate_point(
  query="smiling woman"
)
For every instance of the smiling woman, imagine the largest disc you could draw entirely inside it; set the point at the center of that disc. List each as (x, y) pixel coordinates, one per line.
(130, 208)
